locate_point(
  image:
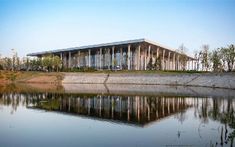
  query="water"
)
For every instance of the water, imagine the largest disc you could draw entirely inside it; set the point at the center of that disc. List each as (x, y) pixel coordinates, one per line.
(50, 118)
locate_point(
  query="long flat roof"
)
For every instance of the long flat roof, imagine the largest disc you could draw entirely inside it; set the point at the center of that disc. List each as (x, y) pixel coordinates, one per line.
(103, 45)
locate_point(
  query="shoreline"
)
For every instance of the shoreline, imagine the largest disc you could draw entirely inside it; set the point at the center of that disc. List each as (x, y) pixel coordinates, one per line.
(211, 80)
(119, 90)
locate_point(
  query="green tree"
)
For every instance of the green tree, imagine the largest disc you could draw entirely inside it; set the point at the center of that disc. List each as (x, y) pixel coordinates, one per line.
(158, 64)
(204, 57)
(35, 64)
(47, 62)
(7, 63)
(183, 57)
(56, 63)
(222, 56)
(228, 56)
(115, 63)
(214, 57)
(27, 63)
(51, 63)
(150, 64)
(196, 56)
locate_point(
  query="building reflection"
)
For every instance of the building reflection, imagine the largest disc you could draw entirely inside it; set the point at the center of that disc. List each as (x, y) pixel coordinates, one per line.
(132, 110)
(137, 110)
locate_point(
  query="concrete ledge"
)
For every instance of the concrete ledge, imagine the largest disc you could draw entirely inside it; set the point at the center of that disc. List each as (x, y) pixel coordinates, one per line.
(224, 80)
(84, 78)
(149, 90)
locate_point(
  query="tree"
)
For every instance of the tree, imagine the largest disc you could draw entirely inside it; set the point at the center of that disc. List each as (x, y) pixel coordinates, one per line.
(158, 64)
(150, 64)
(47, 62)
(183, 57)
(228, 56)
(115, 64)
(34, 64)
(7, 63)
(222, 56)
(56, 63)
(204, 57)
(15, 60)
(214, 57)
(196, 56)
(231, 56)
(51, 63)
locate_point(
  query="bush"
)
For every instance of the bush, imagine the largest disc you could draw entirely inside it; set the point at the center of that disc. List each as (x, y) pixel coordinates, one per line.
(81, 69)
(11, 76)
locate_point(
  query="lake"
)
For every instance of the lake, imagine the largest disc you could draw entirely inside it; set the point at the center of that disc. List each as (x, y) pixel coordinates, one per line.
(57, 117)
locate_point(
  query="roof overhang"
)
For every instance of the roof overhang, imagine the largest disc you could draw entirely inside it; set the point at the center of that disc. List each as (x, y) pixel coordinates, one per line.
(103, 45)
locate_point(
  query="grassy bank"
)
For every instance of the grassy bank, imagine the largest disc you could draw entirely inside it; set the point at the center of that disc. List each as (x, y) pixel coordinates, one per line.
(30, 77)
(57, 77)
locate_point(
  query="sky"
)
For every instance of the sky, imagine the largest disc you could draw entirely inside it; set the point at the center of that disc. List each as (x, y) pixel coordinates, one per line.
(38, 25)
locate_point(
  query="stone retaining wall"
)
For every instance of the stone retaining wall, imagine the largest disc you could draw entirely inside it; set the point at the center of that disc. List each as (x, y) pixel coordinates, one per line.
(223, 80)
(149, 90)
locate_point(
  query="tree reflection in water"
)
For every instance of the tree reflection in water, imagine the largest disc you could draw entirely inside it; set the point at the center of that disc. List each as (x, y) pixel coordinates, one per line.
(135, 110)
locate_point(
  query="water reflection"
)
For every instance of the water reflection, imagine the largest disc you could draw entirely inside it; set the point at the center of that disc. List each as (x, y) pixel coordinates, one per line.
(138, 111)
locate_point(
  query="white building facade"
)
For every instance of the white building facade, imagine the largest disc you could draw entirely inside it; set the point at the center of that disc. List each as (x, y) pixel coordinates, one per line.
(124, 55)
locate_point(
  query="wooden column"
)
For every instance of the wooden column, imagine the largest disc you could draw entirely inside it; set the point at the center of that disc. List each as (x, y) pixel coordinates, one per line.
(189, 64)
(138, 58)
(163, 59)
(121, 58)
(78, 59)
(169, 57)
(89, 58)
(173, 62)
(191, 67)
(178, 62)
(61, 58)
(100, 58)
(149, 51)
(145, 59)
(157, 52)
(109, 58)
(69, 60)
(128, 57)
(65, 60)
(113, 57)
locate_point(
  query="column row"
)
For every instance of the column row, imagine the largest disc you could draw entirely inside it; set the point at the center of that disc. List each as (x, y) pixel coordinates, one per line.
(129, 58)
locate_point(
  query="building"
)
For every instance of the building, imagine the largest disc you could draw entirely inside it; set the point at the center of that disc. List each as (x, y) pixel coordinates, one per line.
(129, 55)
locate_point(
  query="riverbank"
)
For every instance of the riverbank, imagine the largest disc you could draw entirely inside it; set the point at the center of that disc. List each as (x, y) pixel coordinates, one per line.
(119, 90)
(8, 77)
(213, 80)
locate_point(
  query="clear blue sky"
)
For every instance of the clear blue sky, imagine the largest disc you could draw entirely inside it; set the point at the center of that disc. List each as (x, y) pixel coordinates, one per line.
(39, 25)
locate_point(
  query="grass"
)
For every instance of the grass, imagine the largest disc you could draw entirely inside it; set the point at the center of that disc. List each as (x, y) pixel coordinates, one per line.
(93, 70)
(22, 76)
(149, 72)
(19, 76)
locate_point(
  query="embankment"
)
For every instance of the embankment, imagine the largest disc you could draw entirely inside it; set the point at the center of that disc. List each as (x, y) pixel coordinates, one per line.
(214, 80)
(8, 77)
(148, 90)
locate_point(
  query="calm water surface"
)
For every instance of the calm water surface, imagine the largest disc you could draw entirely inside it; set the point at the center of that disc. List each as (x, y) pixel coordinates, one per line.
(63, 119)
